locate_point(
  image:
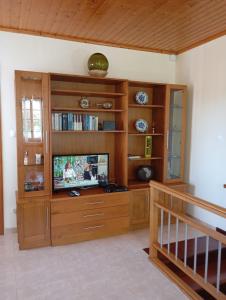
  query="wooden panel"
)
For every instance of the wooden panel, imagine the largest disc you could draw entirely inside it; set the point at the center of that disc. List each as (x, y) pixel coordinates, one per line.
(67, 205)
(89, 215)
(33, 220)
(89, 230)
(139, 208)
(158, 25)
(1, 182)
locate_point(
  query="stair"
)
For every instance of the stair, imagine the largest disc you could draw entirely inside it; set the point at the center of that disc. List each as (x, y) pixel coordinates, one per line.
(212, 263)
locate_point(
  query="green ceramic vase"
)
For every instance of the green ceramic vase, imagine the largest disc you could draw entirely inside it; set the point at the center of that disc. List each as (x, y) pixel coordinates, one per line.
(98, 65)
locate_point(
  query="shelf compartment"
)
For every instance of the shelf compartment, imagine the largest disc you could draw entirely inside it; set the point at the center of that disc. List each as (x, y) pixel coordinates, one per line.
(65, 92)
(145, 158)
(60, 109)
(145, 106)
(88, 131)
(135, 184)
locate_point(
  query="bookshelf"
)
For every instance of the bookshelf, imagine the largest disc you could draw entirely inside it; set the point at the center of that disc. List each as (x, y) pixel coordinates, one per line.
(60, 94)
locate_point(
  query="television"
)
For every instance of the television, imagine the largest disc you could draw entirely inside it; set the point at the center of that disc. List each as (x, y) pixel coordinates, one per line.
(80, 170)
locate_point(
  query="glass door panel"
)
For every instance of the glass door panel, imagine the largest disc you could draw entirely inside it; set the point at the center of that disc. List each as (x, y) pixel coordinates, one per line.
(175, 134)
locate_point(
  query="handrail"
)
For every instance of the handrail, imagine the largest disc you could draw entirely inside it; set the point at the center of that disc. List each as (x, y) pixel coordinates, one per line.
(162, 199)
(216, 209)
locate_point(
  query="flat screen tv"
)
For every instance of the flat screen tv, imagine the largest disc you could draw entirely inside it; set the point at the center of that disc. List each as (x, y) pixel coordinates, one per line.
(79, 171)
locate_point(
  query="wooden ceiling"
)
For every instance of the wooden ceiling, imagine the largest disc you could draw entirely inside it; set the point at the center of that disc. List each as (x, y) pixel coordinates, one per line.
(166, 26)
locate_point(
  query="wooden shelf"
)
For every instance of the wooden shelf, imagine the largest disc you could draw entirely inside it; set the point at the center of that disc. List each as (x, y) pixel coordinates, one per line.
(145, 158)
(87, 110)
(145, 106)
(88, 131)
(144, 134)
(65, 92)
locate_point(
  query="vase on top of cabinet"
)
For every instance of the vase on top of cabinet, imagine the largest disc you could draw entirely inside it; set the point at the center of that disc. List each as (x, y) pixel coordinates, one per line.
(175, 123)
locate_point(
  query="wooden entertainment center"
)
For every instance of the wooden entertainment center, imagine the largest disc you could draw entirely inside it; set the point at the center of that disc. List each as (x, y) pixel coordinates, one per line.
(48, 218)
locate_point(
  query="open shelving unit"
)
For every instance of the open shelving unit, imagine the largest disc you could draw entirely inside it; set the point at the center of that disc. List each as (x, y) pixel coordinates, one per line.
(154, 113)
(66, 93)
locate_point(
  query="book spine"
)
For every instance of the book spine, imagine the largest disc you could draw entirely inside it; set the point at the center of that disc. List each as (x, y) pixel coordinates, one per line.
(96, 123)
(56, 121)
(80, 122)
(75, 121)
(53, 121)
(70, 121)
(60, 121)
(64, 121)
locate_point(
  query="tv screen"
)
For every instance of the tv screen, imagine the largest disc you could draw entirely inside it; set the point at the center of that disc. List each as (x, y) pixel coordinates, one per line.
(77, 171)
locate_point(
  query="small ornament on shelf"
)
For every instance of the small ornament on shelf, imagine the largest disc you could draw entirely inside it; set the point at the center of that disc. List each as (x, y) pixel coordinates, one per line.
(141, 125)
(26, 158)
(38, 158)
(153, 127)
(148, 146)
(84, 102)
(141, 97)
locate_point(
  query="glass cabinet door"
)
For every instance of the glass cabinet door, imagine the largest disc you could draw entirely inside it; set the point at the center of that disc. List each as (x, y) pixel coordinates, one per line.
(175, 133)
(33, 160)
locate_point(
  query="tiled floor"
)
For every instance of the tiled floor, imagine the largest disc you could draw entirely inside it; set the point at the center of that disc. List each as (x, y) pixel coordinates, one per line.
(115, 268)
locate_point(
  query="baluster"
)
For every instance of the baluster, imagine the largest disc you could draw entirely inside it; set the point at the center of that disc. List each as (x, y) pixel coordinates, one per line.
(195, 255)
(161, 228)
(185, 244)
(177, 228)
(169, 224)
(219, 266)
(206, 259)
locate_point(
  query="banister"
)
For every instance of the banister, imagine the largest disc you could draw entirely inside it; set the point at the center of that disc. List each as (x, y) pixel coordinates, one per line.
(195, 223)
(216, 209)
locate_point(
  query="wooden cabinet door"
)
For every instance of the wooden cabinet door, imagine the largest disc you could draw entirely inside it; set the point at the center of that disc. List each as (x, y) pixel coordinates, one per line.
(32, 113)
(33, 221)
(175, 121)
(139, 208)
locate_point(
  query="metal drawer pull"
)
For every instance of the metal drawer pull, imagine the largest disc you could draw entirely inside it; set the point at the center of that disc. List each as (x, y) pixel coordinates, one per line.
(93, 227)
(98, 202)
(93, 215)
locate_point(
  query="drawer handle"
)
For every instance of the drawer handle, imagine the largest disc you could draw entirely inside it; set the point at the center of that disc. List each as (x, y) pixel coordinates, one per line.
(92, 203)
(93, 227)
(93, 215)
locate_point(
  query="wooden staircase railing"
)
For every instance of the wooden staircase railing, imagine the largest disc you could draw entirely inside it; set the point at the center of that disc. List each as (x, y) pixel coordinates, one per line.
(159, 214)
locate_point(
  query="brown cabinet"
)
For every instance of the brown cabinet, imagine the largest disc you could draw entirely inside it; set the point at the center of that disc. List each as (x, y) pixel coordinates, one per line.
(139, 208)
(42, 99)
(32, 106)
(33, 221)
(89, 218)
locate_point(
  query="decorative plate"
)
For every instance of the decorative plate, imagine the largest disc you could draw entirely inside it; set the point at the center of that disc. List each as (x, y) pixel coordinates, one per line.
(141, 97)
(84, 102)
(141, 125)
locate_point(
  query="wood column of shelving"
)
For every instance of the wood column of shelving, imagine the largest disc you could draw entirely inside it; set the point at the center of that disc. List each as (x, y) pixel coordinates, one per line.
(1, 182)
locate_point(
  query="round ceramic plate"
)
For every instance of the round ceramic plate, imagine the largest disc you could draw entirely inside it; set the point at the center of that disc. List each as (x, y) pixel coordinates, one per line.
(141, 125)
(141, 97)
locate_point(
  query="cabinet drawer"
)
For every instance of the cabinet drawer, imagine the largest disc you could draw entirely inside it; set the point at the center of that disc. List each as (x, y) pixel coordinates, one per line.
(88, 230)
(89, 202)
(62, 219)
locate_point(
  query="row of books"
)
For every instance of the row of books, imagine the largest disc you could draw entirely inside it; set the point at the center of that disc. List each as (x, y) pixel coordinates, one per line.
(71, 121)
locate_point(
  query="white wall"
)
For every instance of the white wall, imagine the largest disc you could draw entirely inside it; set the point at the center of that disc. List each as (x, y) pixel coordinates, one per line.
(23, 52)
(203, 69)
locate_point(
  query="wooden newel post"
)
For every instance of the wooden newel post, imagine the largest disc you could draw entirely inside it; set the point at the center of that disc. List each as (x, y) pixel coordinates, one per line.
(154, 197)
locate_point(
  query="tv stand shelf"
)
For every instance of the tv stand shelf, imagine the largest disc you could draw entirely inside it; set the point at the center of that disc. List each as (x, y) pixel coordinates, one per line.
(46, 124)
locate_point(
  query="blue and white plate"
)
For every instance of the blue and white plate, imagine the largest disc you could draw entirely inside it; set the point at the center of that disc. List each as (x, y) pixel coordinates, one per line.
(141, 125)
(141, 97)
